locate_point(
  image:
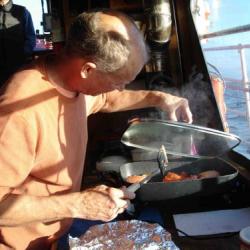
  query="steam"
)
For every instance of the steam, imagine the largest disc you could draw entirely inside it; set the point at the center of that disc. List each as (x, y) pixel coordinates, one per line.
(196, 90)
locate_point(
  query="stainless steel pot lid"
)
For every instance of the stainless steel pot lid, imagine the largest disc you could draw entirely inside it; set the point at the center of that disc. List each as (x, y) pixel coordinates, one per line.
(179, 138)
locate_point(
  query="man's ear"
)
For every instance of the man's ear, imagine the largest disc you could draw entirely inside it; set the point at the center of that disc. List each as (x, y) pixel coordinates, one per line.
(87, 69)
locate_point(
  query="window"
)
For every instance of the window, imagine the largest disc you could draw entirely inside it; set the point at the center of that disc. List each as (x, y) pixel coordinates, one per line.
(41, 21)
(35, 9)
(224, 30)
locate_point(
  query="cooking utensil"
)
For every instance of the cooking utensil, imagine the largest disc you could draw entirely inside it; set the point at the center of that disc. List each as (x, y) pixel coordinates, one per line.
(162, 160)
(180, 139)
(162, 167)
(157, 190)
(135, 186)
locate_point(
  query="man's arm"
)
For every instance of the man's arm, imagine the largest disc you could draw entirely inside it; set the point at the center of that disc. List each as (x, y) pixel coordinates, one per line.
(98, 203)
(177, 108)
(18, 144)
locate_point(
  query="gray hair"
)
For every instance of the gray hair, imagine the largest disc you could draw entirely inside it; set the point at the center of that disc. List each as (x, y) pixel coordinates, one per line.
(109, 50)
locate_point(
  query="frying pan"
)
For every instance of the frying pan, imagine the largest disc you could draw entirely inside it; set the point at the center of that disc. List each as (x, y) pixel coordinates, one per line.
(205, 145)
(156, 190)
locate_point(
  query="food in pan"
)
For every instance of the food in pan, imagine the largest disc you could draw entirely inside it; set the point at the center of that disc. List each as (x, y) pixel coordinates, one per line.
(127, 234)
(171, 176)
(135, 178)
(208, 174)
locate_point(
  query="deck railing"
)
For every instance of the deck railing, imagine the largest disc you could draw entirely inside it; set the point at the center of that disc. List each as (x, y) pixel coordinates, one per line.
(245, 83)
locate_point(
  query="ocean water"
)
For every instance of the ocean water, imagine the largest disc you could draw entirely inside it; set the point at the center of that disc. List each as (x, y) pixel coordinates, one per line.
(219, 15)
(238, 117)
(238, 120)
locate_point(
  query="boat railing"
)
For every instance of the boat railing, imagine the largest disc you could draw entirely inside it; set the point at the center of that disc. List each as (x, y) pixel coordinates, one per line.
(241, 48)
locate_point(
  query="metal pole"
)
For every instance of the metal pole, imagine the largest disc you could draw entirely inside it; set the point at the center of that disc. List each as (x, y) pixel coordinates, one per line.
(238, 29)
(49, 8)
(245, 80)
(42, 3)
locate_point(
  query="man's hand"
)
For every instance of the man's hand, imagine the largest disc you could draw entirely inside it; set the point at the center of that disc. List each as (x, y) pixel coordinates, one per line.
(177, 108)
(101, 203)
(98, 203)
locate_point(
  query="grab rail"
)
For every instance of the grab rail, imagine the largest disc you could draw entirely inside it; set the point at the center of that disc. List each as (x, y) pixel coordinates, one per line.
(239, 29)
(245, 79)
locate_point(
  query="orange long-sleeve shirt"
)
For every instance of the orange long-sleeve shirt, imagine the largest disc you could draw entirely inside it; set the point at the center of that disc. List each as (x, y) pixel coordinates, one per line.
(43, 136)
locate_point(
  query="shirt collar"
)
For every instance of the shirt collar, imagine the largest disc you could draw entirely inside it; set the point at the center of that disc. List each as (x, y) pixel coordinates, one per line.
(64, 92)
(61, 90)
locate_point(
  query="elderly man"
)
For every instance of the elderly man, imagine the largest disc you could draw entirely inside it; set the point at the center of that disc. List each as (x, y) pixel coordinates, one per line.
(43, 129)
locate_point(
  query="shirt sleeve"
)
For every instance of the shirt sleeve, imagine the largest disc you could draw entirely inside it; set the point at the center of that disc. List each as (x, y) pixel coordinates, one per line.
(30, 35)
(17, 152)
(95, 103)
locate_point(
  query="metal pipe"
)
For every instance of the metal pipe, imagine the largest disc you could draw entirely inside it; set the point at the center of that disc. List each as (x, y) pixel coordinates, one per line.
(233, 87)
(234, 47)
(238, 29)
(245, 81)
(49, 7)
(232, 80)
(42, 3)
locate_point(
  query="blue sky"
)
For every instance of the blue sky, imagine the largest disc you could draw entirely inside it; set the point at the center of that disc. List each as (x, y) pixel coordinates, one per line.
(229, 14)
(226, 14)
